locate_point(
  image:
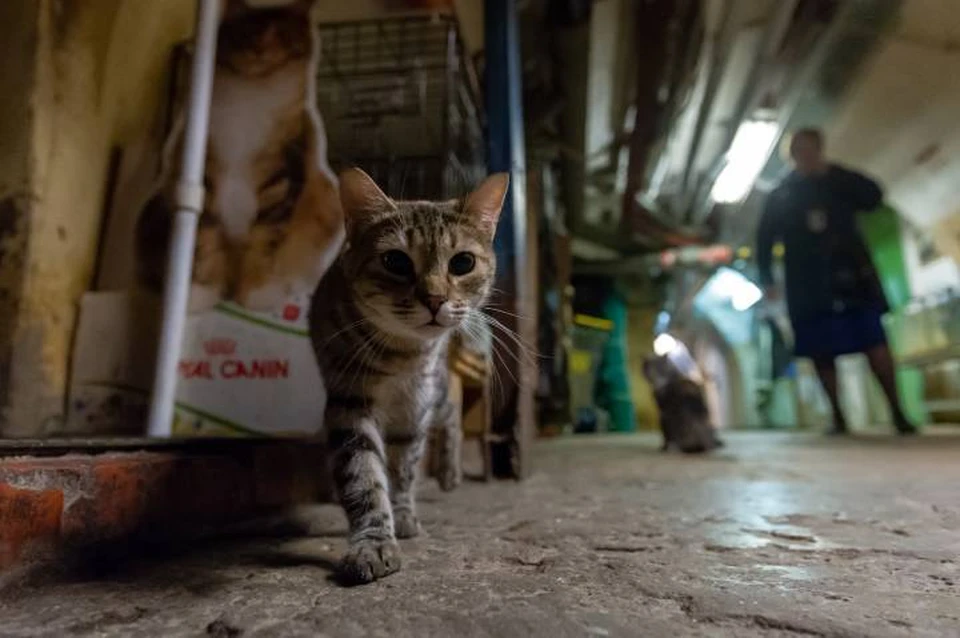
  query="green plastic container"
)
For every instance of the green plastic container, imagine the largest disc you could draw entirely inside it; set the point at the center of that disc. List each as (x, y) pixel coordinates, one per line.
(614, 389)
(881, 229)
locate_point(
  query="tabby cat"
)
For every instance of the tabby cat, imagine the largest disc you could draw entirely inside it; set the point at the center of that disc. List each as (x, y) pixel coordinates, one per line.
(410, 274)
(684, 418)
(271, 223)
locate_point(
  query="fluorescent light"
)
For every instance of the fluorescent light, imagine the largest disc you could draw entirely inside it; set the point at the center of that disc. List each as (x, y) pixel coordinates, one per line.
(745, 159)
(664, 344)
(746, 297)
(733, 286)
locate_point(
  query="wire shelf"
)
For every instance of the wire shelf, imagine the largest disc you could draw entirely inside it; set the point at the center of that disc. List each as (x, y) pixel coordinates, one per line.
(400, 100)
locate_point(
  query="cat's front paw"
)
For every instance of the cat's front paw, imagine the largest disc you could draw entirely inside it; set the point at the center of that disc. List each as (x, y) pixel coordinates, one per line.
(368, 560)
(406, 525)
(450, 475)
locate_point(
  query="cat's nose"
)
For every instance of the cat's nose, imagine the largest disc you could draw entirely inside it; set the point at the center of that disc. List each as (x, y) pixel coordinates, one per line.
(434, 302)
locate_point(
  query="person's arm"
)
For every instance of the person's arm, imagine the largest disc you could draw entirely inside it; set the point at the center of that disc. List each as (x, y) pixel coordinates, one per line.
(863, 192)
(766, 236)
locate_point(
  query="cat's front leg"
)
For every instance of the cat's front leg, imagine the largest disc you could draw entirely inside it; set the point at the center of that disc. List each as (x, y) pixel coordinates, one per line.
(359, 472)
(403, 460)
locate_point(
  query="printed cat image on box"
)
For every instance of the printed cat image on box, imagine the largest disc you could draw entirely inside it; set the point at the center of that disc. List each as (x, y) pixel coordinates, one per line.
(270, 227)
(272, 222)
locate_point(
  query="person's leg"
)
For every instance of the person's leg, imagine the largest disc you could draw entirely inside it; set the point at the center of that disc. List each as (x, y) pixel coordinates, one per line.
(827, 371)
(881, 362)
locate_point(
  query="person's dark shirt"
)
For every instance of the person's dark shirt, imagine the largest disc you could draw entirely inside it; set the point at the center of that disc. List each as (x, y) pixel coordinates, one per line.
(827, 264)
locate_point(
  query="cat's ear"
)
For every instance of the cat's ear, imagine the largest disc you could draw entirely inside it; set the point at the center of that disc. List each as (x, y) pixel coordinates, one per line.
(485, 203)
(361, 198)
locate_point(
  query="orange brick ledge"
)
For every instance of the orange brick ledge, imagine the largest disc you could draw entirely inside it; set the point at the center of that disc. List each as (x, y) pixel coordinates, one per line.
(61, 497)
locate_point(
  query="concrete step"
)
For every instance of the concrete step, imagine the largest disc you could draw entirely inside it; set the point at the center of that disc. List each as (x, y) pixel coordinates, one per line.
(59, 497)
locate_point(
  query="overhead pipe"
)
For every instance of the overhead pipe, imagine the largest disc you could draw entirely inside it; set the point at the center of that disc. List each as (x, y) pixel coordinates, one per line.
(716, 24)
(188, 196)
(651, 35)
(798, 88)
(772, 38)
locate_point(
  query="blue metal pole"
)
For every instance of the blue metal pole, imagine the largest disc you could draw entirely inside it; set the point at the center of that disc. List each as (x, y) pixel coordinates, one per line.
(505, 145)
(514, 407)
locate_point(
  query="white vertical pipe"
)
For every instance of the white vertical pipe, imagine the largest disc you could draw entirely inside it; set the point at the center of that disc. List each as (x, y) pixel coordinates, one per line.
(189, 202)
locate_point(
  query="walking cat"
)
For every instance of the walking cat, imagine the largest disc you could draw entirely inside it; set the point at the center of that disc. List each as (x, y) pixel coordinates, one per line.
(271, 223)
(684, 419)
(409, 275)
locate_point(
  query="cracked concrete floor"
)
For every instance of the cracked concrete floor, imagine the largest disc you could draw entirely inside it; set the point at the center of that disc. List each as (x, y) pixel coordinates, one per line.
(778, 535)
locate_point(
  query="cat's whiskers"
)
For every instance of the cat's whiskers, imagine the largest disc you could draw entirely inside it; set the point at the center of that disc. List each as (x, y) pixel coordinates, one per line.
(507, 313)
(379, 346)
(503, 364)
(514, 339)
(355, 361)
(351, 326)
(474, 333)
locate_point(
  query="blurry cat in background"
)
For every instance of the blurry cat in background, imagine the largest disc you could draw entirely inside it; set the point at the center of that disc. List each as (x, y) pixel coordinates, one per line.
(272, 222)
(684, 418)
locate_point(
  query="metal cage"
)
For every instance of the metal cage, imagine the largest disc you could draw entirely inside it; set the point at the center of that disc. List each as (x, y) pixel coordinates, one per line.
(400, 100)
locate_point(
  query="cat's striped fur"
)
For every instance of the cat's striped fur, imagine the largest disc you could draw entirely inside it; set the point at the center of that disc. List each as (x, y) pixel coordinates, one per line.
(409, 275)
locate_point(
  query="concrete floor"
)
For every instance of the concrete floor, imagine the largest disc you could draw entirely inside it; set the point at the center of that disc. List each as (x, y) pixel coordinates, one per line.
(778, 535)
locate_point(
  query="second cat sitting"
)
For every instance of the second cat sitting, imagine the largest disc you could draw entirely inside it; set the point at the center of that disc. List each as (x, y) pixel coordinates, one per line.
(684, 418)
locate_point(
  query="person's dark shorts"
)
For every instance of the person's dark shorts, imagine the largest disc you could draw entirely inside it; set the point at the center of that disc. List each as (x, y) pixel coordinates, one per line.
(835, 334)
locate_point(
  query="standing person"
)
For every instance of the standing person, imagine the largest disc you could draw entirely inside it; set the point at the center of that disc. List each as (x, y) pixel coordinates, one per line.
(834, 296)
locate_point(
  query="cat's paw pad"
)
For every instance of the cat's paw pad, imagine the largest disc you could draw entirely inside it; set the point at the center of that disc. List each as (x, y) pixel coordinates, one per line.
(406, 525)
(450, 476)
(367, 561)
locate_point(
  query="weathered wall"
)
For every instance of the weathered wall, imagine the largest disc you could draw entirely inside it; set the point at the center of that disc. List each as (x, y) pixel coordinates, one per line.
(98, 78)
(899, 122)
(79, 78)
(642, 318)
(17, 47)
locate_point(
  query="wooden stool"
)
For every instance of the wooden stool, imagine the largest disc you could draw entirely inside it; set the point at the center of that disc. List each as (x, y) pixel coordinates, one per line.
(470, 393)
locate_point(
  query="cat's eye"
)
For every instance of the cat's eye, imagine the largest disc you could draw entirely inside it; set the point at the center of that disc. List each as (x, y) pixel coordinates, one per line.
(397, 262)
(462, 264)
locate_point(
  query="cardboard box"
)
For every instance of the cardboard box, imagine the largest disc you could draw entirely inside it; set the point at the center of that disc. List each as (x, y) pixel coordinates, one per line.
(271, 224)
(240, 372)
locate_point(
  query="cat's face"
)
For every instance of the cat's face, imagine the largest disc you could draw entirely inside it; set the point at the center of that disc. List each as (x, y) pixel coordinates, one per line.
(419, 269)
(255, 43)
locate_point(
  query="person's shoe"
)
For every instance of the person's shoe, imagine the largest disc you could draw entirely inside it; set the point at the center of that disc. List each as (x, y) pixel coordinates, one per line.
(839, 428)
(905, 428)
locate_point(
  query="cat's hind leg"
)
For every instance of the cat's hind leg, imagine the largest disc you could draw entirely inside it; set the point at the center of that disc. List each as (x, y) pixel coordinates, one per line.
(448, 433)
(403, 462)
(359, 472)
(667, 432)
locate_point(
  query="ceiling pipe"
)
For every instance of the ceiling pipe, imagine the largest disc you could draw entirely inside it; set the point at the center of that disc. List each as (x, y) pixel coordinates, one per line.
(653, 19)
(717, 18)
(803, 80)
(748, 100)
